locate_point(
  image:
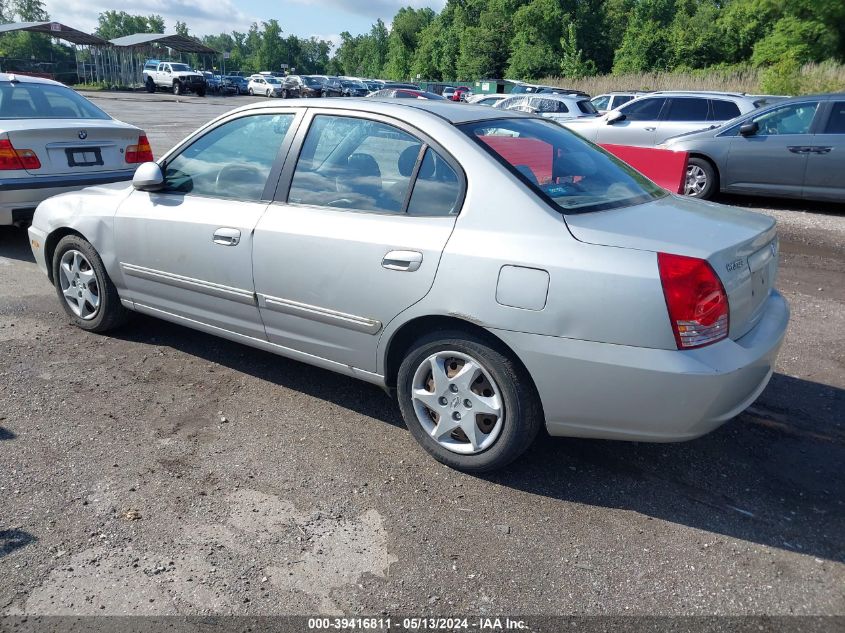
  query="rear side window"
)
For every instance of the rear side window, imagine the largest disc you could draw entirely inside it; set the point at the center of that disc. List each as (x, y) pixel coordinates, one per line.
(724, 110)
(618, 100)
(548, 105)
(601, 102)
(836, 122)
(687, 109)
(644, 109)
(45, 101)
(437, 189)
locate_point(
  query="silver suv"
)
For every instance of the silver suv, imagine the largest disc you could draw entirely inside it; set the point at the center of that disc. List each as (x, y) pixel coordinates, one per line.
(657, 116)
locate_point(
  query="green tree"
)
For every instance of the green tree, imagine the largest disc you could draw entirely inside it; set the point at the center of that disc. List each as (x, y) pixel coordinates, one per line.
(535, 47)
(645, 45)
(30, 10)
(402, 43)
(572, 62)
(114, 24)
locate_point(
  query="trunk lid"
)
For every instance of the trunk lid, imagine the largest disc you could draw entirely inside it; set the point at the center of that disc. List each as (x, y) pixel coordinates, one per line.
(741, 246)
(61, 148)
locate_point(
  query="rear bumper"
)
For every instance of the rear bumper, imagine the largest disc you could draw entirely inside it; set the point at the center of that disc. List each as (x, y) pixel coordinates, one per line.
(20, 196)
(607, 391)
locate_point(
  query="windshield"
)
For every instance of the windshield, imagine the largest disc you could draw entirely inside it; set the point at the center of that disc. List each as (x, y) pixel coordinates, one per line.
(180, 68)
(572, 174)
(45, 101)
(272, 80)
(312, 81)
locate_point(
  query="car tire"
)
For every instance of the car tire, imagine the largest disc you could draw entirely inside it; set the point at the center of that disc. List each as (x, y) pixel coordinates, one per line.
(702, 181)
(250, 92)
(150, 85)
(268, 94)
(177, 88)
(285, 94)
(502, 437)
(200, 92)
(87, 275)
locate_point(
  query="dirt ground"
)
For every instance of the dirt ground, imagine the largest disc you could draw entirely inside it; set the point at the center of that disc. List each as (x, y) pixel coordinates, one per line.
(158, 470)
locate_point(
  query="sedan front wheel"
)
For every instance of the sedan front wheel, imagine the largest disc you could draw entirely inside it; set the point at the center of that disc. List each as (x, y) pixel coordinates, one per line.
(700, 179)
(84, 288)
(467, 402)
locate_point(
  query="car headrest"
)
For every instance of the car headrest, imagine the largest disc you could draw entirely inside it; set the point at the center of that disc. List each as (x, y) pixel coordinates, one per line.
(407, 160)
(363, 165)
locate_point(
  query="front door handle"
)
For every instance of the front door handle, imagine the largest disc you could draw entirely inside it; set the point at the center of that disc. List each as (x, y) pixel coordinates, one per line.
(649, 129)
(821, 150)
(227, 237)
(406, 261)
(799, 149)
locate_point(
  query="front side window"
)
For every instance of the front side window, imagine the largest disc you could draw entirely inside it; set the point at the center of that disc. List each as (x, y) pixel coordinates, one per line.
(795, 118)
(561, 167)
(687, 109)
(643, 109)
(836, 122)
(45, 101)
(600, 103)
(231, 161)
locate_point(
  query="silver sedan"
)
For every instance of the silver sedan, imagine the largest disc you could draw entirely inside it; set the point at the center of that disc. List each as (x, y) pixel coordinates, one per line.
(493, 270)
(794, 148)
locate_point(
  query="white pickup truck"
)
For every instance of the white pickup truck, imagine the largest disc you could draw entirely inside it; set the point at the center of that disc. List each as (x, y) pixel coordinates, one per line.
(173, 76)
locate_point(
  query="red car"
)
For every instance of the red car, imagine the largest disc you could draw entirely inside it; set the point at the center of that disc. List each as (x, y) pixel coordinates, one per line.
(458, 93)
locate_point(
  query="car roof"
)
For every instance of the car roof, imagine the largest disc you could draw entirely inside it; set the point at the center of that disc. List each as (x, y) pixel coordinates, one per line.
(26, 79)
(454, 113)
(697, 93)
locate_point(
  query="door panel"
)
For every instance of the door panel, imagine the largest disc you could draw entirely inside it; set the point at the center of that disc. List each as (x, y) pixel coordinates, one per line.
(187, 250)
(326, 283)
(639, 126)
(825, 179)
(774, 160)
(354, 245)
(170, 260)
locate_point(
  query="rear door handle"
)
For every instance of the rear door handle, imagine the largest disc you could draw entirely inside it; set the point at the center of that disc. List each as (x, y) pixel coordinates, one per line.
(822, 150)
(227, 237)
(406, 261)
(649, 129)
(799, 149)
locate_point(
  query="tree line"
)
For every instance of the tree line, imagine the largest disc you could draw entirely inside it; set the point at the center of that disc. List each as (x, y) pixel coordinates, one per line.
(519, 39)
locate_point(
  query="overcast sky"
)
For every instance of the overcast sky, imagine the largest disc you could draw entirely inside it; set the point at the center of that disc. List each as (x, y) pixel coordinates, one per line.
(323, 18)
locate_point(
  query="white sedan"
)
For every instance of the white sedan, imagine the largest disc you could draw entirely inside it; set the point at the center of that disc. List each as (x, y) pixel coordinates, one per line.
(54, 140)
(551, 106)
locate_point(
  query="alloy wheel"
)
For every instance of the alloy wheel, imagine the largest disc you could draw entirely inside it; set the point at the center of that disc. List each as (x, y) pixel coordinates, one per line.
(79, 285)
(696, 181)
(457, 402)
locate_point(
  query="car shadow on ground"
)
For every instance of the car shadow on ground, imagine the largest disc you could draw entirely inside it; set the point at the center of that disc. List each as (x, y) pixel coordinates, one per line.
(771, 476)
(780, 204)
(6, 434)
(11, 540)
(14, 244)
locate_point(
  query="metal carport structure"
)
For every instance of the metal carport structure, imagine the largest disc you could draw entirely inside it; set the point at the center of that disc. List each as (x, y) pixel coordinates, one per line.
(82, 42)
(132, 50)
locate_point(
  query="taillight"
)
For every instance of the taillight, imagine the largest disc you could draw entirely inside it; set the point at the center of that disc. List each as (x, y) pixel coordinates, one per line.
(11, 158)
(140, 153)
(696, 299)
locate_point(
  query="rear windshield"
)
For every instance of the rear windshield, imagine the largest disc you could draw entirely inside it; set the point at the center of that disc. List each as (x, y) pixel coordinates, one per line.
(567, 171)
(45, 101)
(587, 107)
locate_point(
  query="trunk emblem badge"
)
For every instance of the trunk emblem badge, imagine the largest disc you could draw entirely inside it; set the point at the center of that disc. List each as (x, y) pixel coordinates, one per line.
(83, 135)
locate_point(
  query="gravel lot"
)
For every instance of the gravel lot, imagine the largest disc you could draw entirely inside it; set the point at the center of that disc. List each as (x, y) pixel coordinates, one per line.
(162, 471)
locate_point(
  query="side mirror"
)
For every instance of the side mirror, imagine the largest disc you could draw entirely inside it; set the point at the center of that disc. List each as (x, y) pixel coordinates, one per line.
(615, 116)
(749, 129)
(148, 177)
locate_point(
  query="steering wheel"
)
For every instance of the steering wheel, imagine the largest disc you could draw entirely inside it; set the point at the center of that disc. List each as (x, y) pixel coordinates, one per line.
(240, 174)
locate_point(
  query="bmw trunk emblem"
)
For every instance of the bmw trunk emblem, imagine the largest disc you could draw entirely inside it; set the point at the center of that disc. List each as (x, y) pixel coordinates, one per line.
(83, 135)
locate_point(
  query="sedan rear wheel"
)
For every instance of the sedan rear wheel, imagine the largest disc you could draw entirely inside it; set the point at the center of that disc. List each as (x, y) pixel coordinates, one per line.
(700, 180)
(469, 404)
(84, 288)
